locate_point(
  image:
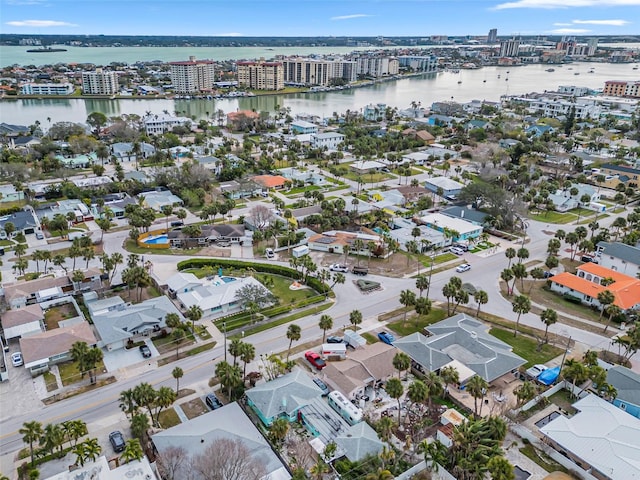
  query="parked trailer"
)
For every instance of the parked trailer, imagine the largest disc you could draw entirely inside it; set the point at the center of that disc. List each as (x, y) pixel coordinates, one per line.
(332, 351)
(345, 408)
(300, 251)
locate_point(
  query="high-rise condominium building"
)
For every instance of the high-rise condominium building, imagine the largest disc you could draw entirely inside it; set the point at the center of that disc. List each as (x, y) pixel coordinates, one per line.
(99, 82)
(592, 45)
(373, 66)
(261, 75)
(192, 76)
(618, 88)
(419, 63)
(309, 71)
(509, 48)
(493, 36)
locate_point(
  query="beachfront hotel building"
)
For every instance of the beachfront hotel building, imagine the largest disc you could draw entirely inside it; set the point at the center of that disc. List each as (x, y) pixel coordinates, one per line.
(261, 75)
(192, 76)
(46, 89)
(618, 88)
(99, 82)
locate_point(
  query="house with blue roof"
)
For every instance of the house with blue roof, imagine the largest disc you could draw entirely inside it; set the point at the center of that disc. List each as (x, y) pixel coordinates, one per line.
(473, 124)
(563, 201)
(303, 127)
(466, 213)
(441, 120)
(539, 130)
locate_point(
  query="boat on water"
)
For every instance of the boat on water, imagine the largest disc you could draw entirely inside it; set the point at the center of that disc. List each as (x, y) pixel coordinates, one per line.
(550, 70)
(459, 82)
(484, 81)
(576, 73)
(46, 50)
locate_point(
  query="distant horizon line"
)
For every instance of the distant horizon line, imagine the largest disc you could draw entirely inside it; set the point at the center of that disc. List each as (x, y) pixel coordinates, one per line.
(375, 37)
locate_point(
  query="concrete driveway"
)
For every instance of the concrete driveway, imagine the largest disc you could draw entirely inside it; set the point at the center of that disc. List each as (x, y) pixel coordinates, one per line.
(20, 390)
(123, 358)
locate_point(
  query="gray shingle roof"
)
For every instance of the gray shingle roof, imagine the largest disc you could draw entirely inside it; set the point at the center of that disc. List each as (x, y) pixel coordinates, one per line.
(289, 392)
(626, 382)
(359, 441)
(622, 251)
(466, 340)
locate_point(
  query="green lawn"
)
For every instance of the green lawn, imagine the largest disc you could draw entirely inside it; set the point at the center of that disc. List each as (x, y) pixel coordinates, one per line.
(281, 289)
(539, 295)
(5, 243)
(554, 217)
(69, 373)
(370, 338)
(525, 347)
(416, 323)
(541, 459)
(298, 190)
(169, 418)
(368, 178)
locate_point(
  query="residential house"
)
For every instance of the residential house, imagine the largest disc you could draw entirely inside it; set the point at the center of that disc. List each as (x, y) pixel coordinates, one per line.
(210, 163)
(564, 201)
(402, 232)
(158, 199)
(161, 124)
(216, 296)
(358, 442)
(119, 323)
(417, 158)
(78, 161)
(229, 422)
(243, 188)
(363, 369)
(23, 222)
(300, 214)
(384, 198)
(137, 176)
(617, 174)
(466, 213)
(42, 350)
(101, 470)
(412, 194)
(507, 143)
(374, 113)
(423, 135)
(327, 140)
(208, 234)
(124, 151)
(303, 127)
(627, 385)
(463, 343)
(19, 294)
(182, 282)
(362, 167)
(586, 284)
(599, 437)
(282, 397)
(9, 193)
(450, 188)
(242, 119)
(440, 153)
(270, 182)
(24, 142)
(302, 175)
(22, 321)
(475, 124)
(336, 241)
(458, 228)
(76, 207)
(539, 130)
(441, 120)
(619, 257)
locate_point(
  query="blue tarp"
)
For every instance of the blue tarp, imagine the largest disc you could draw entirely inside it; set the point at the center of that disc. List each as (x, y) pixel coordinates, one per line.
(549, 376)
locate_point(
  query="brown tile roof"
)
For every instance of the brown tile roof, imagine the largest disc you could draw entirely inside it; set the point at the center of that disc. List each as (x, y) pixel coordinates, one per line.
(23, 289)
(270, 181)
(42, 346)
(22, 316)
(233, 116)
(425, 136)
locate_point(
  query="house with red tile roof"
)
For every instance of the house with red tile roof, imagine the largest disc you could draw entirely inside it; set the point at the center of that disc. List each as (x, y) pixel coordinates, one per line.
(590, 279)
(270, 182)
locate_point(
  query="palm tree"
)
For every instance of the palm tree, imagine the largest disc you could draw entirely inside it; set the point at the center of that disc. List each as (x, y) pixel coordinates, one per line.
(395, 390)
(521, 304)
(500, 468)
(384, 428)
(417, 392)
(235, 349)
(293, 334)
(140, 425)
(52, 437)
(194, 313)
(548, 317)
(605, 297)
(408, 299)
(132, 451)
(380, 474)
(92, 449)
(355, 318)
(278, 430)
(247, 355)
(318, 470)
(435, 453)
(510, 253)
(434, 385)
(482, 298)
(577, 372)
(449, 376)
(422, 283)
(177, 373)
(423, 306)
(325, 323)
(477, 388)
(401, 362)
(31, 432)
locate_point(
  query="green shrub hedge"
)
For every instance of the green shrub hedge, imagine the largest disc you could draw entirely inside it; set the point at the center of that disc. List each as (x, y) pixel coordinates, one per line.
(274, 311)
(571, 298)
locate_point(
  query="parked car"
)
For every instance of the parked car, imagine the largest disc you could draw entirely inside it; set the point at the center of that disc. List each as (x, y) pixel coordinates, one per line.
(386, 337)
(461, 246)
(177, 223)
(463, 268)
(323, 386)
(360, 270)
(39, 235)
(16, 359)
(315, 359)
(213, 402)
(338, 267)
(334, 339)
(548, 274)
(145, 351)
(456, 250)
(117, 441)
(535, 371)
(223, 243)
(589, 258)
(269, 253)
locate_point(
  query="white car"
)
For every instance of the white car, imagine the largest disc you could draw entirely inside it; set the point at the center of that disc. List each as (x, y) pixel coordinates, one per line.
(456, 250)
(337, 267)
(16, 359)
(463, 268)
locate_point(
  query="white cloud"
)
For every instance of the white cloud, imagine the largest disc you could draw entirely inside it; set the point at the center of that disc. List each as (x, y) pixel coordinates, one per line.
(550, 4)
(349, 17)
(40, 23)
(24, 2)
(568, 31)
(613, 23)
(562, 24)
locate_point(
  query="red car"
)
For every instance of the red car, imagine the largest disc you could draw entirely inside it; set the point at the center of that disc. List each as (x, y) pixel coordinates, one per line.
(315, 360)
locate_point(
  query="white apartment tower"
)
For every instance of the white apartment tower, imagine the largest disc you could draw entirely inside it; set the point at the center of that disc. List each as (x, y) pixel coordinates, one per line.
(261, 75)
(509, 48)
(192, 76)
(99, 82)
(493, 36)
(377, 66)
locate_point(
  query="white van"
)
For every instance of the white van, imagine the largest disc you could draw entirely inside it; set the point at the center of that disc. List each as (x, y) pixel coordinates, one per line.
(332, 351)
(300, 251)
(269, 253)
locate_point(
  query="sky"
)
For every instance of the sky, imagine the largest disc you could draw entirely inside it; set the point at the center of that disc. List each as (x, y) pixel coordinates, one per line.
(297, 18)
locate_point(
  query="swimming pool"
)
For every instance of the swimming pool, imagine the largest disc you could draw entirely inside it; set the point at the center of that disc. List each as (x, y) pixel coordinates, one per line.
(153, 240)
(228, 279)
